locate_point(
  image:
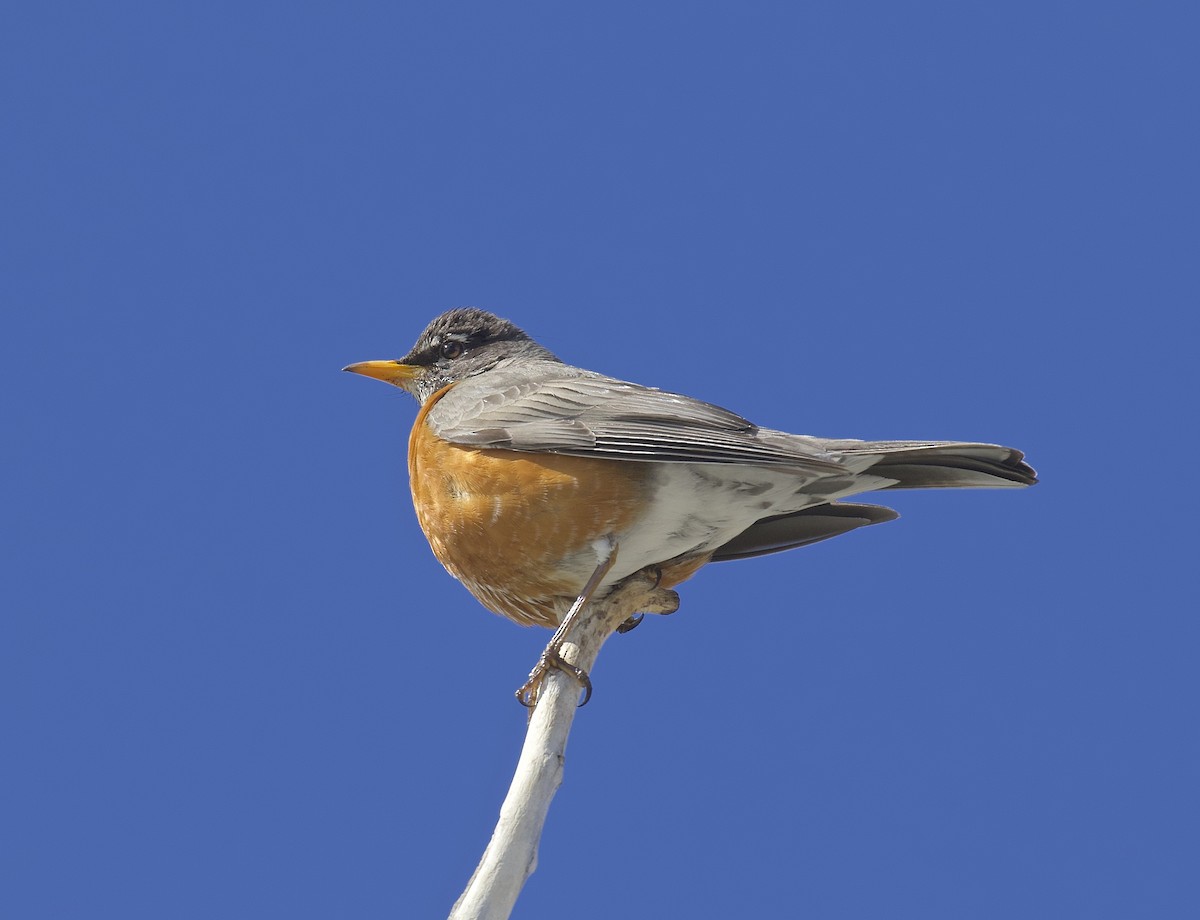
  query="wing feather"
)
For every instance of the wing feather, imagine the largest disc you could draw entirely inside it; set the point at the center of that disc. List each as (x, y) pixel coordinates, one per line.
(559, 409)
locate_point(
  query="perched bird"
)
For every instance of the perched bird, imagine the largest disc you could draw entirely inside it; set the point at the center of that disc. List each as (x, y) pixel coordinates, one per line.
(540, 485)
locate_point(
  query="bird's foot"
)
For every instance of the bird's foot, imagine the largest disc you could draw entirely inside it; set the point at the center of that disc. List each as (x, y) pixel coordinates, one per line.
(551, 660)
(640, 591)
(656, 599)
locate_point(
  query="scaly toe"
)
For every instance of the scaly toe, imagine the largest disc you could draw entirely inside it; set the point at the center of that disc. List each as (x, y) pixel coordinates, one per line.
(528, 692)
(662, 601)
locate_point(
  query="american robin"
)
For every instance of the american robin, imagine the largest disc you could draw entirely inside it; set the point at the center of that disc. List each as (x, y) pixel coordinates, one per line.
(540, 485)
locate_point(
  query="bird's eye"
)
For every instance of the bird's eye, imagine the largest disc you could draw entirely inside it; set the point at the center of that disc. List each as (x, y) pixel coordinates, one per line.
(451, 350)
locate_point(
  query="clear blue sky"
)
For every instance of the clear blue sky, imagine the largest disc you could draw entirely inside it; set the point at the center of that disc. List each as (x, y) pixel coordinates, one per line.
(235, 683)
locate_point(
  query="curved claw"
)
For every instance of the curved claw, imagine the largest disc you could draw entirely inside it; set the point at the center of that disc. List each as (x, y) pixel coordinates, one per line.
(527, 695)
(586, 682)
(631, 623)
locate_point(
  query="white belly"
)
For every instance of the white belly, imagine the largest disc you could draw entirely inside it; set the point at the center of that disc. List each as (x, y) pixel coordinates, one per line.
(697, 507)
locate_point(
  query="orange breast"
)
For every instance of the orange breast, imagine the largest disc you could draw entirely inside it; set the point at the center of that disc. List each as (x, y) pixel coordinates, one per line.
(516, 528)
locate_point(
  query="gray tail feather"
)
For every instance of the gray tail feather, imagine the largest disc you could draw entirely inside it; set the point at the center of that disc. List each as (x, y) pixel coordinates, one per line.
(913, 464)
(800, 528)
(944, 464)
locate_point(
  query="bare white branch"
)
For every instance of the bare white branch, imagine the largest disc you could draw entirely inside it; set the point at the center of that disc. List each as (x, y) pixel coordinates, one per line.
(511, 855)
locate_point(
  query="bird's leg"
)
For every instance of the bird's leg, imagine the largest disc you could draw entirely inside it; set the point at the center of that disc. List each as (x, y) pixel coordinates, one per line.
(551, 657)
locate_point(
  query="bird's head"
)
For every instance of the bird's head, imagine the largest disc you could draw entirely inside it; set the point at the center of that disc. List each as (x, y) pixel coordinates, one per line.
(457, 345)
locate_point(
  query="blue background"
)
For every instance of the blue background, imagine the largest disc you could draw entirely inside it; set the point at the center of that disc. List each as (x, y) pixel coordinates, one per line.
(235, 682)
